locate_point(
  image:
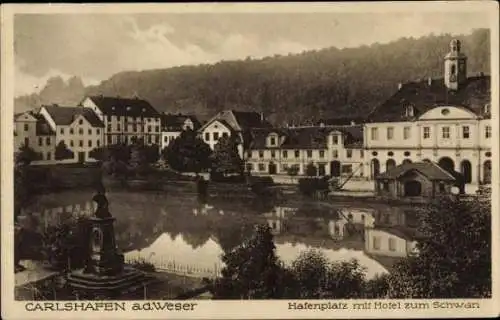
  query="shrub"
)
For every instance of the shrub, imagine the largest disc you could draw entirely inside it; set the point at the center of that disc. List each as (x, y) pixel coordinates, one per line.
(309, 186)
(143, 265)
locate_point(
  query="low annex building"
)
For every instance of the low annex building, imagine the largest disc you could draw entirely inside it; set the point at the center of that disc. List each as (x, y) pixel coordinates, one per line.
(416, 181)
(173, 124)
(335, 151)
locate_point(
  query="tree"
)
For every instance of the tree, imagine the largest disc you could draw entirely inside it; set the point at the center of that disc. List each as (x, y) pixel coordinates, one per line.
(139, 162)
(293, 170)
(454, 254)
(311, 170)
(226, 158)
(62, 152)
(188, 153)
(252, 270)
(25, 155)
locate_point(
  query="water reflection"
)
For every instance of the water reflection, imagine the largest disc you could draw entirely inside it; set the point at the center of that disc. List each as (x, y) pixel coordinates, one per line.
(176, 230)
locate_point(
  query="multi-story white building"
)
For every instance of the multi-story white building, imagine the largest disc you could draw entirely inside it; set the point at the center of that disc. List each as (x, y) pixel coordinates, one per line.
(232, 123)
(444, 120)
(335, 151)
(173, 124)
(32, 130)
(126, 120)
(79, 128)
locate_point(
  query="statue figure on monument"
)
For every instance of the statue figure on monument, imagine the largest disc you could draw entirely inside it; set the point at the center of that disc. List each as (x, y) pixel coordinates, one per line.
(102, 210)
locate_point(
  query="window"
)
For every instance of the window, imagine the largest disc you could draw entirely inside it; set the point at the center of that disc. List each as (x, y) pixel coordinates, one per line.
(321, 154)
(47, 141)
(71, 131)
(273, 154)
(166, 139)
(71, 144)
(90, 143)
(261, 154)
(262, 167)
(487, 132)
(49, 156)
(272, 141)
(150, 139)
(26, 127)
(374, 133)
(335, 139)
(348, 153)
(465, 132)
(98, 143)
(90, 131)
(98, 131)
(285, 154)
(335, 154)
(216, 136)
(309, 153)
(249, 154)
(376, 243)
(149, 128)
(390, 133)
(80, 131)
(81, 143)
(346, 169)
(441, 187)
(207, 136)
(427, 132)
(409, 111)
(297, 153)
(134, 127)
(109, 118)
(110, 141)
(392, 244)
(361, 153)
(384, 186)
(40, 141)
(26, 141)
(446, 132)
(157, 128)
(61, 131)
(406, 133)
(224, 135)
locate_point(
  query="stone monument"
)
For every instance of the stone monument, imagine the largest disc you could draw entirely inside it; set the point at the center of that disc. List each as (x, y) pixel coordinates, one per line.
(105, 274)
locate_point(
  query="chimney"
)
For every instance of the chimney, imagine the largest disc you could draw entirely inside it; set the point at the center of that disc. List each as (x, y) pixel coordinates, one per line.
(429, 81)
(262, 117)
(400, 85)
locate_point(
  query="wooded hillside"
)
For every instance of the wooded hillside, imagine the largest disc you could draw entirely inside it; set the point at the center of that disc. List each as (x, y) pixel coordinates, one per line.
(315, 84)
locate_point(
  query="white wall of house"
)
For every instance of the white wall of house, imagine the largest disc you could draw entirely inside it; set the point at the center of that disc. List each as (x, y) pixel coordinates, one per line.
(381, 242)
(167, 137)
(25, 131)
(213, 132)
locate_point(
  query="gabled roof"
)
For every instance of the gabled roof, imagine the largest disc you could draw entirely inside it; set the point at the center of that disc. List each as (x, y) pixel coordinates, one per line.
(66, 115)
(424, 95)
(407, 233)
(176, 121)
(429, 169)
(124, 106)
(239, 120)
(307, 137)
(42, 126)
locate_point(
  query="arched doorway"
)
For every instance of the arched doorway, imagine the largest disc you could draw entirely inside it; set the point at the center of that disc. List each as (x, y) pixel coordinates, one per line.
(487, 171)
(272, 168)
(375, 168)
(447, 164)
(406, 161)
(389, 164)
(466, 170)
(335, 168)
(413, 189)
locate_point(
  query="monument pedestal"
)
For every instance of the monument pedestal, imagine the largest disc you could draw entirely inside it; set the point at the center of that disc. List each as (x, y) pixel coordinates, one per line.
(105, 274)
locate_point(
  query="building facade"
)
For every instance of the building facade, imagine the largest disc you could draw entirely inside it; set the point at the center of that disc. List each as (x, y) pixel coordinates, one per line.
(390, 242)
(173, 124)
(446, 120)
(334, 151)
(78, 128)
(126, 120)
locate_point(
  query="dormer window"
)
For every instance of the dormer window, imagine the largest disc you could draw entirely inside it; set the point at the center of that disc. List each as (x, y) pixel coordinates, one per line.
(409, 111)
(487, 108)
(272, 141)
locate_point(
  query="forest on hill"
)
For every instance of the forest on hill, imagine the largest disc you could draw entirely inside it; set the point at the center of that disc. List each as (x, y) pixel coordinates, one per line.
(311, 85)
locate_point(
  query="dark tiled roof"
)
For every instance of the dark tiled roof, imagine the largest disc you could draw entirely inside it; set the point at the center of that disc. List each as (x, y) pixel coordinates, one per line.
(473, 94)
(341, 121)
(176, 121)
(124, 106)
(429, 169)
(66, 115)
(42, 126)
(240, 120)
(307, 137)
(403, 232)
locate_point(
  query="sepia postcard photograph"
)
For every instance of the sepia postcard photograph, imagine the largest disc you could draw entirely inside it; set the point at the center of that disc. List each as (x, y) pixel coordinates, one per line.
(250, 161)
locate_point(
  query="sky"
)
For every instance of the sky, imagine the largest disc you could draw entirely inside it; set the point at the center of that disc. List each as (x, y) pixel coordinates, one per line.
(96, 46)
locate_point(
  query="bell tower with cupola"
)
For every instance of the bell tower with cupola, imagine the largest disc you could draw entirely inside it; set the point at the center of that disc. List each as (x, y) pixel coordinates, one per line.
(455, 66)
